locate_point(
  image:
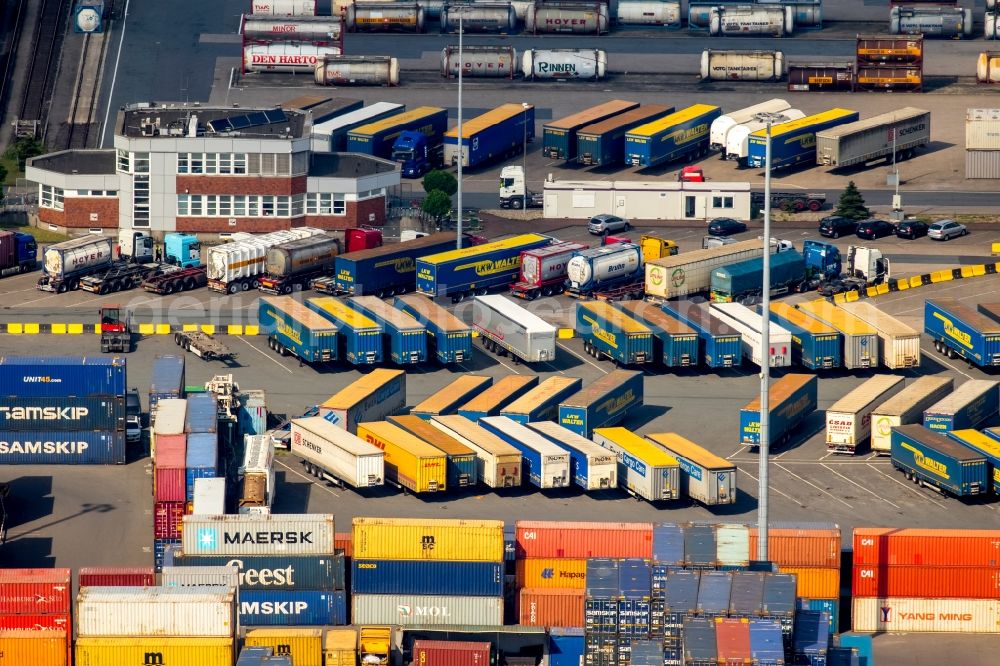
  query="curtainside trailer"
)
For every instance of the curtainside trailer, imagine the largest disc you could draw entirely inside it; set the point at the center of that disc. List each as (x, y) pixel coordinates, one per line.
(495, 134)
(504, 327)
(792, 400)
(498, 464)
(404, 338)
(815, 345)
(849, 420)
(934, 460)
(452, 396)
(294, 329)
(895, 132)
(743, 282)
(906, 407)
(449, 338)
(609, 332)
(986, 444)
(644, 469)
(750, 324)
(675, 344)
(542, 402)
(794, 142)
(371, 397)
(461, 460)
(860, 339)
(973, 403)
(899, 343)
(704, 476)
(559, 136)
(359, 339)
(544, 463)
(592, 467)
(332, 453)
(503, 392)
(719, 346)
(603, 403)
(721, 125)
(410, 462)
(603, 143)
(684, 133)
(475, 270)
(958, 330)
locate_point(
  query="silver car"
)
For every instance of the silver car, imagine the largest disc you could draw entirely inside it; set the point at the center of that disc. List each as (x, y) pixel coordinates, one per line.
(946, 230)
(605, 223)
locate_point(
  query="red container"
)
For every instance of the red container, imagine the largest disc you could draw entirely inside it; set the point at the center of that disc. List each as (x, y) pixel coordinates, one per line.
(169, 485)
(342, 541)
(929, 582)
(36, 622)
(117, 576)
(167, 519)
(551, 607)
(583, 540)
(732, 640)
(170, 450)
(35, 591)
(450, 653)
(800, 547)
(950, 548)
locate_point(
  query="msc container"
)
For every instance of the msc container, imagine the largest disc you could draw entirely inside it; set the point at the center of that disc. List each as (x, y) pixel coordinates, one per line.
(409, 461)
(860, 338)
(674, 342)
(449, 338)
(588, 18)
(680, 134)
(932, 21)
(505, 327)
(605, 402)
(583, 540)
(742, 66)
(116, 576)
(603, 143)
(186, 651)
(750, 326)
(461, 460)
(460, 579)
(551, 572)
(691, 272)
(503, 392)
(899, 344)
(958, 330)
(644, 469)
(304, 645)
(498, 464)
(292, 534)
(91, 447)
(292, 327)
(705, 477)
(544, 463)
(794, 142)
(901, 614)
(371, 397)
(874, 138)
(610, 332)
(474, 269)
(451, 652)
(792, 399)
(849, 420)
(974, 402)
(542, 402)
(426, 610)
(358, 337)
(721, 125)
(405, 340)
(719, 346)
(35, 591)
(63, 376)
(564, 64)
(552, 608)
(292, 607)
(592, 467)
(559, 136)
(71, 413)
(820, 76)
(382, 270)
(427, 539)
(815, 345)
(932, 459)
(332, 451)
(155, 611)
(447, 400)
(276, 571)
(499, 132)
(906, 407)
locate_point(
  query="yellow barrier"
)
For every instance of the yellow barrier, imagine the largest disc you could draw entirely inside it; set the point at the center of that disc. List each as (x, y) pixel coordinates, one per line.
(882, 289)
(31, 329)
(58, 329)
(995, 249)
(234, 329)
(902, 285)
(146, 329)
(916, 281)
(97, 329)
(251, 330)
(871, 291)
(74, 329)
(851, 296)
(208, 329)
(15, 329)
(839, 299)
(189, 328)
(163, 329)
(566, 333)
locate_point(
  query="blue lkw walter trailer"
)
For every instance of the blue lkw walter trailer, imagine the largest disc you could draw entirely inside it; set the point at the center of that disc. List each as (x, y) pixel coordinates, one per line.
(292, 327)
(814, 344)
(449, 338)
(497, 133)
(605, 402)
(359, 339)
(405, 338)
(719, 346)
(959, 330)
(794, 142)
(386, 269)
(672, 137)
(935, 460)
(674, 342)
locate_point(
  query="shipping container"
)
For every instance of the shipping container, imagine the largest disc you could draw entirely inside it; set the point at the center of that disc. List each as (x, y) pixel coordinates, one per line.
(219, 576)
(202, 460)
(742, 282)
(171, 414)
(541, 403)
(583, 539)
(171, 651)
(714, 593)
(335, 453)
(304, 645)
(700, 645)
(906, 407)
(426, 610)
(668, 544)
(449, 338)
(551, 608)
(900, 132)
(732, 544)
(292, 607)
(498, 464)
(750, 325)
(644, 469)
(371, 397)
(899, 343)
(544, 463)
(62, 376)
(675, 344)
(291, 534)
(958, 330)
(811, 635)
(635, 580)
(592, 467)
(795, 545)
(276, 571)
(499, 132)
(560, 136)
(293, 328)
(982, 130)
(691, 272)
(937, 582)
(92, 447)
(879, 49)
(732, 637)
(747, 594)
(603, 578)
(427, 539)
(901, 614)
(252, 413)
(849, 420)
(359, 339)
(565, 645)
(820, 76)
(860, 339)
(721, 125)
(116, 576)
(459, 273)
(404, 338)
(386, 269)
(606, 402)
(503, 392)
(460, 460)
(779, 596)
(410, 462)
(48, 647)
(815, 345)
(794, 142)
(340, 646)
(70, 413)
(704, 476)
(452, 578)
(700, 547)
(682, 133)
(35, 591)
(155, 611)
(209, 496)
(167, 380)
(603, 143)
(719, 346)
(202, 413)
(766, 645)
(815, 582)
(971, 404)
(551, 572)
(932, 459)
(884, 546)
(609, 332)
(451, 652)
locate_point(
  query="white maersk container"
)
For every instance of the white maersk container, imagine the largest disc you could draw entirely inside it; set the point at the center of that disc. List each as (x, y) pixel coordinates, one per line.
(904, 614)
(234, 266)
(504, 325)
(742, 66)
(756, 20)
(337, 455)
(899, 346)
(738, 138)
(600, 468)
(409, 609)
(720, 126)
(691, 272)
(155, 611)
(906, 407)
(564, 63)
(548, 464)
(750, 325)
(498, 463)
(210, 496)
(284, 534)
(649, 12)
(218, 576)
(849, 420)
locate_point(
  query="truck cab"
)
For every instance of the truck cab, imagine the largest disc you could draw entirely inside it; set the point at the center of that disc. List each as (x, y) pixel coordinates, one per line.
(513, 189)
(362, 239)
(823, 262)
(135, 246)
(867, 264)
(417, 153)
(182, 250)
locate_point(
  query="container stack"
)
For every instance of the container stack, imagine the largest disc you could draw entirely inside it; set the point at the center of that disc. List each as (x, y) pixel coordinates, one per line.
(167, 381)
(982, 143)
(116, 577)
(169, 443)
(35, 623)
(262, 656)
(916, 580)
(427, 572)
(887, 63)
(252, 412)
(201, 429)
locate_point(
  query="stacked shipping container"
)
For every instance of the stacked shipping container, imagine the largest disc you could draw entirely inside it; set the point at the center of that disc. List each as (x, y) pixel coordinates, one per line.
(890, 63)
(982, 143)
(35, 623)
(169, 445)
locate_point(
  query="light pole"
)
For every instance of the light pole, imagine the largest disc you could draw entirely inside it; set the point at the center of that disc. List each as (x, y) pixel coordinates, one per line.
(524, 154)
(461, 149)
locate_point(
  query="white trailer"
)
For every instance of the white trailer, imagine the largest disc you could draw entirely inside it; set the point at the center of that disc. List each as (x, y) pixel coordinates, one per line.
(545, 463)
(849, 420)
(498, 463)
(257, 475)
(592, 467)
(906, 407)
(691, 272)
(332, 453)
(720, 126)
(705, 477)
(899, 346)
(644, 469)
(505, 327)
(750, 325)
(238, 265)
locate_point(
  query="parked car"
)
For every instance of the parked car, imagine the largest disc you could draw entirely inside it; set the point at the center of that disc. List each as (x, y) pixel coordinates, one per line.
(606, 223)
(872, 229)
(911, 229)
(946, 230)
(725, 226)
(836, 226)
(133, 429)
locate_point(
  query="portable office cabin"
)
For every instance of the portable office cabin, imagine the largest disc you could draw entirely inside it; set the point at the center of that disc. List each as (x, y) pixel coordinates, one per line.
(860, 339)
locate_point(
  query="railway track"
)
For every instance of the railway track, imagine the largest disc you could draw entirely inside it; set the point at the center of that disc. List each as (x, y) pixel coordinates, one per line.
(40, 73)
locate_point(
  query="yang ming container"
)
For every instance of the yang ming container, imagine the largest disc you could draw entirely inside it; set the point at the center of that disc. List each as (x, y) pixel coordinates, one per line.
(849, 420)
(449, 338)
(461, 460)
(276, 571)
(447, 400)
(583, 540)
(409, 461)
(452, 578)
(544, 463)
(428, 539)
(644, 469)
(906, 407)
(292, 607)
(542, 402)
(606, 402)
(52, 414)
(62, 376)
(155, 611)
(503, 392)
(704, 476)
(971, 404)
(91, 447)
(592, 467)
(186, 651)
(292, 534)
(371, 397)
(426, 610)
(498, 464)
(902, 614)
(899, 343)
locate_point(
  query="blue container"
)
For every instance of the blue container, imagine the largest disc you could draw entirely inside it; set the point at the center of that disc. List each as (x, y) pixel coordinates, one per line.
(658, 575)
(812, 633)
(602, 578)
(252, 412)
(459, 579)
(766, 646)
(202, 459)
(202, 413)
(700, 549)
(779, 596)
(672, 137)
(383, 270)
(634, 618)
(565, 646)
(62, 447)
(635, 579)
(747, 595)
(262, 656)
(160, 547)
(829, 606)
(274, 572)
(494, 134)
(646, 653)
(540, 403)
(308, 337)
(71, 413)
(719, 346)
(714, 593)
(939, 461)
(509, 543)
(862, 644)
(62, 376)
(815, 345)
(358, 337)
(450, 339)
(681, 600)
(377, 138)
(604, 403)
(700, 647)
(262, 608)
(794, 142)
(675, 343)
(668, 544)
(969, 334)
(404, 338)
(837, 656)
(475, 268)
(168, 378)
(600, 616)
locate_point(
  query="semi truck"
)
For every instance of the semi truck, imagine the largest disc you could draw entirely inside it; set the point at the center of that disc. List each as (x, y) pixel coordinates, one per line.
(543, 270)
(792, 400)
(560, 136)
(972, 404)
(790, 202)
(372, 397)
(750, 325)
(379, 138)
(719, 346)
(238, 264)
(603, 143)
(404, 338)
(683, 134)
(410, 462)
(493, 135)
(609, 332)
(675, 344)
(183, 250)
(174, 279)
(514, 192)
(885, 136)
(335, 455)
(849, 420)
(505, 328)
(609, 268)
(815, 345)
(906, 407)
(545, 463)
(691, 272)
(330, 136)
(936, 461)
(449, 338)
(65, 264)
(18, 252)
(742, 282)
(294, 329)
(417, 152)
(119, 276)
(794, 142)
(359, 338)
(604, 403)
(291, 266)
(958, 330)
(461, 460)
(591, 467)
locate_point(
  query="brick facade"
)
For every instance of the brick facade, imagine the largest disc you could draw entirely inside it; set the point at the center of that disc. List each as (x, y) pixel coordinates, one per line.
(275, 185)
(220, 225)
(357, 214)
(359, 211)
(83, 213)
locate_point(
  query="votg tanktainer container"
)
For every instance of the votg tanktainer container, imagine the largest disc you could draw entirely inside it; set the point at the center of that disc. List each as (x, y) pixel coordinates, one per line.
(559, 136)
(404, 338)
(449, 338)
(691, 272)
(751, 20)
(644, 469)
(934, 460)
(815, 345)
(705, 477)
(452, 396)
(906, 407)
(675, 344)
(899, 343)
(742, 66)
(933, 21)
(592, 467)
(864, 141)
(505, 327)
(793, 399)
(380, 16)
(849, 420)
(860, 339)
(973, 403)
(460, 273)
(683, 133)
(544, 463)
(498, 464)
(719, 346)
(794, 142)
(334, 454)
(461, 460)
(371, 397)
(750, 325)
(293, 328)
(359, 339)
(609, 332)
(409, 461)
(604, 403)
(541, 403)
(958, 330)
(603, 143)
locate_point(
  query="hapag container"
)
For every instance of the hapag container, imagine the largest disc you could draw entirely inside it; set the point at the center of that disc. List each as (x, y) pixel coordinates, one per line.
(304, 644)
(371, 397)
(747, 593)
(447, 400)
(906, 407)
(926, 582)
(815, 582)
(498, 464)
(426, 610)
(62, 376)
(605, 402)
(452, 653)
(503, 392)
(427, 539)
(732, 637)
(459, 272)
(958, 330)
(700, 646)
(899, 344)
(901, 614)
(405, 338)
(675, 344)
(792, 399)
(116, 576)
(935, 460)
(168, 379)
(292, 607)
(581, 540)
(691, 272)
(800, 546)
(276, 572)
(76, 413)
(449, 338)
(323, 446)
(705, 477)
(541, 402)
(35, 591)
(359, 337)
(202, 413)
(291, 534)
(551, 572)
(592, 467)
(766, 645)
(551, 608)
(644, 469)
(452, 578)
(154, 650)
(155, 611)
(461, 460)
(974, 402)
(48, 647)
(887, 546)
(719, 346)
(750, 324)
(544, 463)
(292, 327)
(92, 447)
(560, 135)
(849, 420)
(814, 344)
(409, 461)
(386, 269)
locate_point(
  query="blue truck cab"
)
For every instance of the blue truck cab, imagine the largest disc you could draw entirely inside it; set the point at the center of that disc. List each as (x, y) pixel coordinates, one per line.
(823, 260)
(418, 153)
(182, 250)
(18, 252)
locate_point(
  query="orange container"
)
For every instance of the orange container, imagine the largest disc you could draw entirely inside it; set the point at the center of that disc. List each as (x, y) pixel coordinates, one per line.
(889, 546)
(551, 608)
(550, 573)
(815, 582)
(343, 541)
(931, 582)
(24, 647)
(794, 547)
(583, 540)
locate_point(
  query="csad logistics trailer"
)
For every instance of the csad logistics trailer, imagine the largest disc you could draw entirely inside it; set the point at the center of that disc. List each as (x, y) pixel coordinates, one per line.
(958, 330)
(377, 138)
(793, 399)
(592, 467)
(971, 404)
(475, 270)
(794, 142)
(849, 420)
(705, 477)
(603, 143)
(605, 402)
(719, 346)
(559, 137)
(644, 469)
(906, 407)
(449, 338)
(492, 135)
(935, 460)
(405, 338)
(293, 328)
(681, 134)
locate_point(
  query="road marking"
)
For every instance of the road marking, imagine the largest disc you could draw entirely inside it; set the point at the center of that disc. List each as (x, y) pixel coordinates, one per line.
(310, 479)
(861, 486)
(856, 461)
(735, 453)
(114, 76)
(807, 481)
(35, 300)
(497, 358)
(584, 359)
(828, 454)
(267, 356)
(944, 359)
(788, 497)
(908, 487)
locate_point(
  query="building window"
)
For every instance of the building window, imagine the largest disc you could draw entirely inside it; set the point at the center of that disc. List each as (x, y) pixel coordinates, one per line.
(722, 202)
(183, 205)
(140, 162)
(298, 205)
(51, 197)
(239, 205)
(215, 164)
(140, 198)
(123, 164)
(325, 203)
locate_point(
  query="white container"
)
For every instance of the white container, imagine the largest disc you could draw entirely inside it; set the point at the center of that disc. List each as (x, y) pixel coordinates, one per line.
(510, 327)
(849, 420)
(742, 66)
(564, 63)
(480, 62)
(330, 450)
(601, 470)
(373, 397)
(691, 272)
(210, 496)
(498, 463)
(283, 7)
(411, 609)
(548, 464)
(220, 576)
(315, 30)
(720, 126)
(258, 454)
(285, 57)
(231, 262)
(982, 129)
(750, 324)
(903, 614)
(705, 477)
(341, 70)
(170, 414)
(738, 138)
(584, 18)
(933, 21)
(906, 407)
(899, 346)
(649, 12)
(155, 611)
(755, 20)
(287, 534)
(644, 469)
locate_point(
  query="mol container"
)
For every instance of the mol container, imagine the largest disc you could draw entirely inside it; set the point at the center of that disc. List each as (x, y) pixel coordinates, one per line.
(541, 403)
(932, 459)
(592, 467)
(675, 343)
(607, 331)
(330, 451)
(899, 344)
(285, 57)
(860, 339)
(933, 21)
(742, 66)
(544, 463)
(681, 134)
(644, 469)
(449, 338)
(409, 461)
(751, 20)
(292, 534)
(427, 539)
(582, 64)
(405, 338)
(792, 399)
(130, 612)
(559, 136)
(358, 337)
(492, 135)
(606, 402)
(719, 346)
(724, 123)
(64, 376)
(461, 460)
(691, 272)
(737, 146)
(603, 143)
(455, 394)
(460, 273)
(958, 330)
(380, 16)
(704, 476)
(371, 397)
(906, 407)
(864, 141)
(582, 18)
(503, 392)
(387, 269)
(849, 420)
(987, 444)
(498, 464)
(971, 404)
(504, 327)
(750, 326)
(489, 17)
(666, 13)
(794, 142)
(815, 345)
(295, 328)
(497, 62)
(426, 610)
(543, 271)
(342, 70)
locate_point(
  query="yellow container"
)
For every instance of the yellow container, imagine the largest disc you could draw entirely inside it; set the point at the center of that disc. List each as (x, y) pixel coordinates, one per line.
(409, 461)
(304, 645)
(428, 539)
(340, 647)
(29, 647)
(815, 582)
(154, 651)
(375, 645)
(549, 572)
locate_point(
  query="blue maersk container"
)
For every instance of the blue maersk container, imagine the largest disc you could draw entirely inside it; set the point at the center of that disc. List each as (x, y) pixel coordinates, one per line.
(956, 327)
(477, 268)
(70, 413)
(264, 608)
(939, 461)
(405, 338)
(67, 447)
(683, 133)
(450, 338)
(719, 346)
(359, 337)
(390, 268)
(202, 459)
(202, 413)
(62, 376)
(566, 646)
(168, 379)
(794, 142)
(273, 572)
(459, 579)
(604, 403)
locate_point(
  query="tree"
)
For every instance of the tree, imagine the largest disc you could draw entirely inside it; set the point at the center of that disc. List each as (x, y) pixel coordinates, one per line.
(852, 204)
(441, 181)
(437, 204)
(3, 174)
(24, 149)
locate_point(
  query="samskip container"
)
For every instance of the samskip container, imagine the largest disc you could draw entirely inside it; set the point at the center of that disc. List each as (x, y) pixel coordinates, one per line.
(451, 652)
(551, 608)
(303, 644)
(428, 539)
(155, 611)
(20, 647)
(452, 578)
(700, 548)
(583, 540)
(714, 592)
(62, 376)
(602, 578)
(116, 576)
(926, 581)
(92, 447)
(292, 607)
(276, 572)
(747, 593)
(34, 591)
(70, 413)
(551, 572)
(926, 547)
(700, 646)
(168, 651)
(903, 614)
(291, 534)
(426, 610)
(765, 642)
